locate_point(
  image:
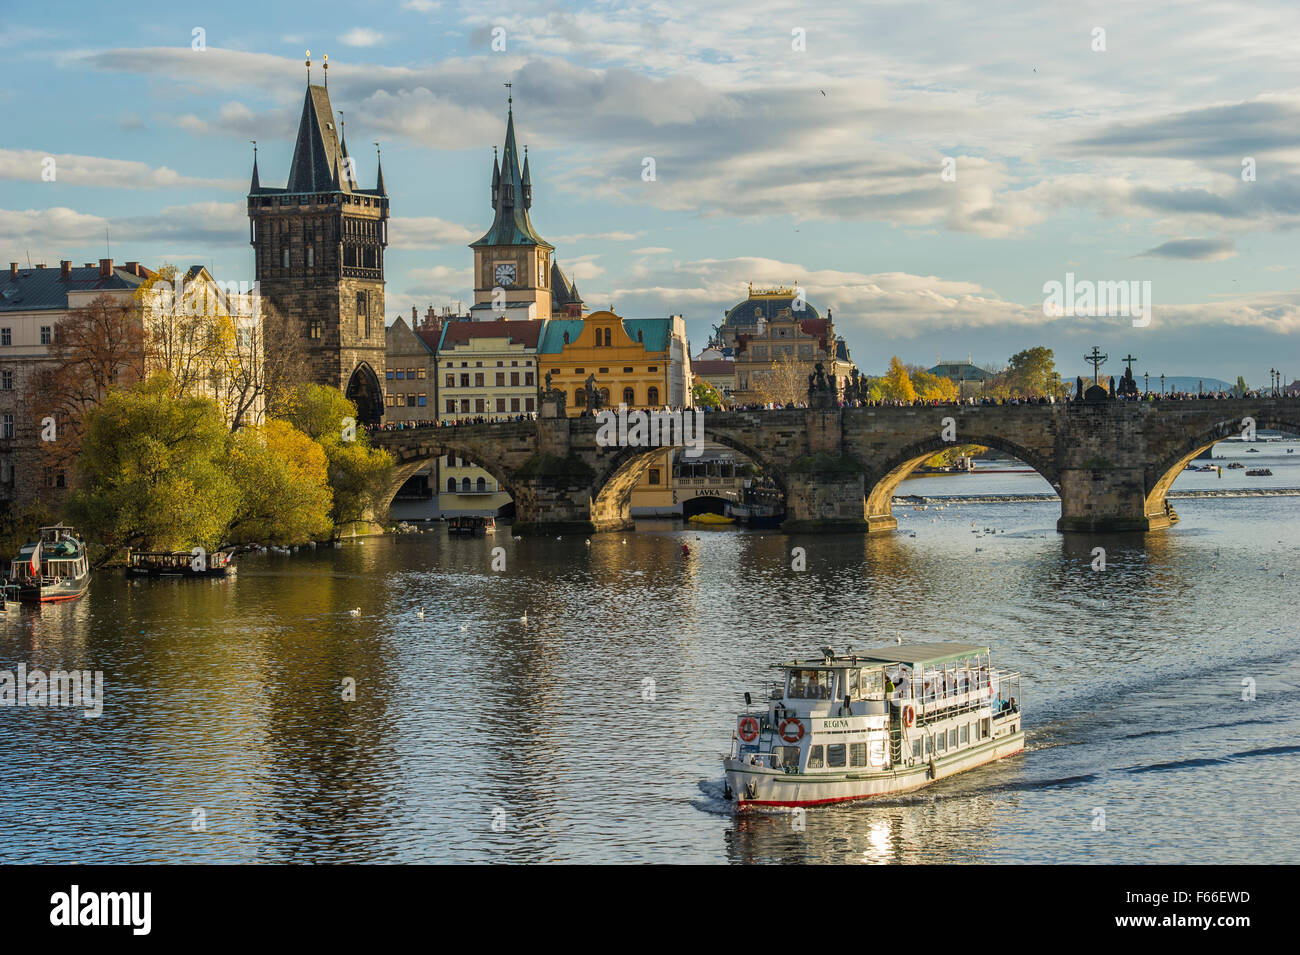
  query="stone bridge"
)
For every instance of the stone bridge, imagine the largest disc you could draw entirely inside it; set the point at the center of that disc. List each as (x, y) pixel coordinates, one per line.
(1111, 462)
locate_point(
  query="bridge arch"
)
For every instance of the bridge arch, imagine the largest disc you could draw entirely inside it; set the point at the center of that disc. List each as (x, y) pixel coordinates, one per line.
(410, 459)
(612, 490)
(883, 480)
(1164, 471)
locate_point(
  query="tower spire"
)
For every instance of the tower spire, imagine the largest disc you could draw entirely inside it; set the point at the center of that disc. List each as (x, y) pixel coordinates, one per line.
(379, 161)
(256, 186)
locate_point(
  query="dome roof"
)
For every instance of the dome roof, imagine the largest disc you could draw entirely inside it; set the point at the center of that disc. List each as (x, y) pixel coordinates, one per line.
(767, 305)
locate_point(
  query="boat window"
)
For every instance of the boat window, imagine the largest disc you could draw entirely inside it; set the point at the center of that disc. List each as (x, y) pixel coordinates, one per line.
(965, 733)
(877, 752)
(857, 754)
(929, 745)
(783, 756)
(941, 742)
(851, 684)
(872, 682)
(810, 684)
(835, 755)
(984, 726)
(952, 738)
(815, 757)
(916, 747)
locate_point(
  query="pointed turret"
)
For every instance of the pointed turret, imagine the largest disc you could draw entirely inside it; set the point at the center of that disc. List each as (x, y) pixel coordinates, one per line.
(528, 183)
(496, 178)
(256, 185)
(379, 182)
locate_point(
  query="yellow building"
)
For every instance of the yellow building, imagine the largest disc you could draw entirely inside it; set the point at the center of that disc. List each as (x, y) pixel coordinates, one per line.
(640, 363)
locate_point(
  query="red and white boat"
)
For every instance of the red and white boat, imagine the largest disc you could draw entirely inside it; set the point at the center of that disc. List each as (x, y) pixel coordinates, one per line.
(889, 720)
(52, 568)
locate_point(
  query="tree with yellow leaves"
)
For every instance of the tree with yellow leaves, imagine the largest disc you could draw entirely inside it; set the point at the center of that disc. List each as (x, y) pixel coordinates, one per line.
(897, 384)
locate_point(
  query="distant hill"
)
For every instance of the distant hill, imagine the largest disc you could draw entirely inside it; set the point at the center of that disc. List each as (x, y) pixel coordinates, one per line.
(1172, 383)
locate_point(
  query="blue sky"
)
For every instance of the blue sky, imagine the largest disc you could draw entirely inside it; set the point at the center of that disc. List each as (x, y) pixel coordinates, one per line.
(819, 165)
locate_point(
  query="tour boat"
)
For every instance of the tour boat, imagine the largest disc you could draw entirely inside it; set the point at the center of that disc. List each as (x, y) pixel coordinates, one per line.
(53, 567)
(889, 720)
(180, 563)
(469, 526)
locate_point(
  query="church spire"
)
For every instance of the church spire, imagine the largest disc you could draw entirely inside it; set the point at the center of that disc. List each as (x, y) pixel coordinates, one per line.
(511, 195)
(379, 161)
(256, 185)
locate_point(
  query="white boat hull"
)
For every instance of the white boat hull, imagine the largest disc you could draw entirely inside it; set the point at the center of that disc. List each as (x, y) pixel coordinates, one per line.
(757, 786)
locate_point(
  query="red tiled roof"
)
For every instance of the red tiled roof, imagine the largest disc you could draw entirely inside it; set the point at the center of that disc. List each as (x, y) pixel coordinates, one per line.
(523, 333)
(713, 366)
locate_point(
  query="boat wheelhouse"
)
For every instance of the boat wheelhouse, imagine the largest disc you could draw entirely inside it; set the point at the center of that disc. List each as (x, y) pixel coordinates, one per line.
(54, 567)
(889, 720)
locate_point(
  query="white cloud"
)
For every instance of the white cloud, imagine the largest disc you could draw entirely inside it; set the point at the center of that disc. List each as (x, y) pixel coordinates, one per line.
(27, 165)
(362, 36)
(428, 232)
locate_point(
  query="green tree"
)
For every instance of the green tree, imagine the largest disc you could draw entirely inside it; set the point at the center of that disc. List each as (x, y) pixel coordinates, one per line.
(359, 474)
(153, 471)
(283, 477)
(1240, 388)
(705, 394)
(1032, 372)
(897, 385)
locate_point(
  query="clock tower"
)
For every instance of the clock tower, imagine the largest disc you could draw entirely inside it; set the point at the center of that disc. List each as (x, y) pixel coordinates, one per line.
(512, 263)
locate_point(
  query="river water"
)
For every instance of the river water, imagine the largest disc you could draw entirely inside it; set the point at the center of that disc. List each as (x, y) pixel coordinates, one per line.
(592, 733)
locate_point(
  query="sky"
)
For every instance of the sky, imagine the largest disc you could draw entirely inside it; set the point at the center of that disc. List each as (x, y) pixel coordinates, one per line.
(922, 169)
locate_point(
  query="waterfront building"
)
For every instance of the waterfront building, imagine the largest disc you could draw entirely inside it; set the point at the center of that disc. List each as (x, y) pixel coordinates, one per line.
(486, 370)
(516, 276)
(638, 362)
(777, 339)
(318, 247)
(33, 301)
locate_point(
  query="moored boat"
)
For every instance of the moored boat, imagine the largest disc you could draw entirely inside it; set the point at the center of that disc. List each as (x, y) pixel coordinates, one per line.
(872, 723)
(179, 563)
(54, 567)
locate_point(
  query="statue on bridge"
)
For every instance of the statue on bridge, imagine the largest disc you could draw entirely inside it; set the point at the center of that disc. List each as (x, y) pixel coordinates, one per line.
(821, 389)
(1128, 386)
(593, 394)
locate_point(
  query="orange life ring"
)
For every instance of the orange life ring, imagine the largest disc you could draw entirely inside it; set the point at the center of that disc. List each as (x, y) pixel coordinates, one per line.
(791, 723)
(909, 716)
(749, 729)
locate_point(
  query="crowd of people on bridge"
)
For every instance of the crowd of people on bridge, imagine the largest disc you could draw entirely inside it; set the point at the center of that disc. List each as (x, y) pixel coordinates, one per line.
(1150, 396)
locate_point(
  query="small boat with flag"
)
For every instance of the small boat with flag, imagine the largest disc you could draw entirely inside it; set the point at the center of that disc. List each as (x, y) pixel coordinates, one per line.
(839, 727)
(52, 568)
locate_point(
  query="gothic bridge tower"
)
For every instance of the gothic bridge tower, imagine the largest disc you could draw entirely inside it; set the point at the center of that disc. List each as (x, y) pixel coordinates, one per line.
(318, 246)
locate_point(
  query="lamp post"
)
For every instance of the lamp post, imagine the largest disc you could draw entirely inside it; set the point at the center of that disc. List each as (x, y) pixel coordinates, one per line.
(1146, 382)
(1162, 384)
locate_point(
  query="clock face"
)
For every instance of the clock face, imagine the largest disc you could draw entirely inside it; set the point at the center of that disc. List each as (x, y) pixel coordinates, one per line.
(505, 275)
